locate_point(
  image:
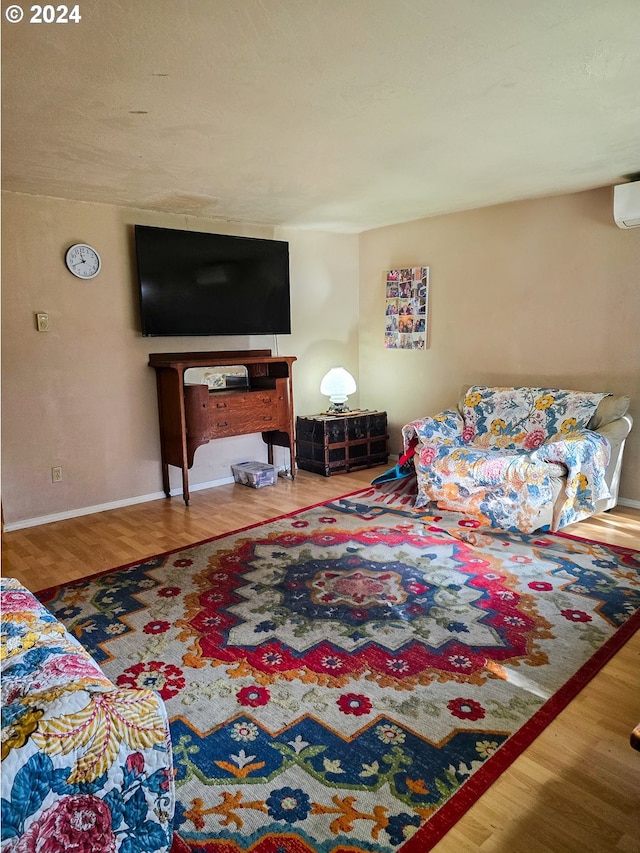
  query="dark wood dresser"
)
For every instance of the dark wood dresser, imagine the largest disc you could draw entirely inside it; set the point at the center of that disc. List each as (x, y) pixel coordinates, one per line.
(192, 414)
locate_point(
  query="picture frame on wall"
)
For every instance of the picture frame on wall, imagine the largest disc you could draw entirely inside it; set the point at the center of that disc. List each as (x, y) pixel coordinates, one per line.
(407, 308)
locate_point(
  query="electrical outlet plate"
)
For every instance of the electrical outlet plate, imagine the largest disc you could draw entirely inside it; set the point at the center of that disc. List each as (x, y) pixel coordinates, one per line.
(56, 474)
(42, 321)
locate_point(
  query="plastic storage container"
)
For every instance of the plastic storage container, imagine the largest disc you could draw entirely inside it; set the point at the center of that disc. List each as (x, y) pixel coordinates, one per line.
(255, 474)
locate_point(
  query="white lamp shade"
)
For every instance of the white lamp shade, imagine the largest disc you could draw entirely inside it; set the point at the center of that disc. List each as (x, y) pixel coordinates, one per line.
(337, 384)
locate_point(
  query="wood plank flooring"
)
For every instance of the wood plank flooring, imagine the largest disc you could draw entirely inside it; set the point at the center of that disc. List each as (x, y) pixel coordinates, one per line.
(576, 788)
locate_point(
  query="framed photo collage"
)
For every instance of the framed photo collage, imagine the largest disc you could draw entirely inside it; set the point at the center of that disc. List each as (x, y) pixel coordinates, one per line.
(406, 308)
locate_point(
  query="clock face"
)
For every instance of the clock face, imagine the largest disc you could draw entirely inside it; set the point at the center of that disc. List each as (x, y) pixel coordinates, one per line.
(82, 260)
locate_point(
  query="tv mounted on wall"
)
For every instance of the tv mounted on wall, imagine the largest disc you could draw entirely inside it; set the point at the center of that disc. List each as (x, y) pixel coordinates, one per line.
(195, 283)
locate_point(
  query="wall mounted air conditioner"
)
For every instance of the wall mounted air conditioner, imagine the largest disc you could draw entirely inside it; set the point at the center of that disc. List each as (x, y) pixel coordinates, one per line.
(626, 205)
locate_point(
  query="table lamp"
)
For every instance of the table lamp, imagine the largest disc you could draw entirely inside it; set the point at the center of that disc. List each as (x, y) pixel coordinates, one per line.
(337, 384)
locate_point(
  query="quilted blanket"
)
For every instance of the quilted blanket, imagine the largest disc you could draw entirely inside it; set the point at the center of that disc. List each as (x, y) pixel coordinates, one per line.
(86, 766)
(500, 457)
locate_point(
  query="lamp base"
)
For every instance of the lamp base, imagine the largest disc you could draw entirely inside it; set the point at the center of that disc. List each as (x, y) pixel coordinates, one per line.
(338, 409)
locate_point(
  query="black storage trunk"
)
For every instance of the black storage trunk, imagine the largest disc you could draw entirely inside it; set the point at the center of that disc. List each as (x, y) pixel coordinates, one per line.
(331, 444)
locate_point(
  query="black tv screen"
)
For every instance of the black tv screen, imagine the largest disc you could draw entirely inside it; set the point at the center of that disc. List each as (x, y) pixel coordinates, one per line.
(195, 283)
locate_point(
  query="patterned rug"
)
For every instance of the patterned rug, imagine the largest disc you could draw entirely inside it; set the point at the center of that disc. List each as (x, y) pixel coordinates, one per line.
(353, 676)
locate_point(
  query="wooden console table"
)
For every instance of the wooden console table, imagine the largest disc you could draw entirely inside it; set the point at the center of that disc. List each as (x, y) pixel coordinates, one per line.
(192, 415)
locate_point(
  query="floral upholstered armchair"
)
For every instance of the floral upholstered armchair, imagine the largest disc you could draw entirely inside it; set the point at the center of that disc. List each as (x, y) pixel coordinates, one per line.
(522, 458)
(86, 765)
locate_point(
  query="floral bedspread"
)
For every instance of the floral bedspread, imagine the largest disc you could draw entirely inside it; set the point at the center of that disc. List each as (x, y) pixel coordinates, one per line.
(498, 459)
(86, 766)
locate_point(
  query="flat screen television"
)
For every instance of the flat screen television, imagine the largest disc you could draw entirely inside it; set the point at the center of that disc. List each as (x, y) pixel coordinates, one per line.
(195, 283)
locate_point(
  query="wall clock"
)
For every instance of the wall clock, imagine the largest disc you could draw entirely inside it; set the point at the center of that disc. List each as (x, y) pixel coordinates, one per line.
(82, 260)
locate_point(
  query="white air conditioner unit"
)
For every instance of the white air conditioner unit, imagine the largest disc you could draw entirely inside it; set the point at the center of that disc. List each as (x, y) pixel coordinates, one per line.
(626, 205)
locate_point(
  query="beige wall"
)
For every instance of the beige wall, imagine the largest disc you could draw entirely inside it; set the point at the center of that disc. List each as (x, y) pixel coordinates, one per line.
(324, 309)
(537, 292)
(82, 395)
(542, 291)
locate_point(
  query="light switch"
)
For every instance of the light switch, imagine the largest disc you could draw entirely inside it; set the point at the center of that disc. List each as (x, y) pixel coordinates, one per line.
(42, 322)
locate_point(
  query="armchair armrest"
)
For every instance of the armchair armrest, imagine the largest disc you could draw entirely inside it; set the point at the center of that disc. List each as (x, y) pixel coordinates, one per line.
(577, 446)
(616, 431)
(75, 744)
(585, 454)
(444, 428)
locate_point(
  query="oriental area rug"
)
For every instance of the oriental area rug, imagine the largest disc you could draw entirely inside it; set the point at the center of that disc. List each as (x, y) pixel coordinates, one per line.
(353, 676)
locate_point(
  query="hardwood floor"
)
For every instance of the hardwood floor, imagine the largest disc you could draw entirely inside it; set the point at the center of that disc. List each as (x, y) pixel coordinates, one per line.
(576, 788)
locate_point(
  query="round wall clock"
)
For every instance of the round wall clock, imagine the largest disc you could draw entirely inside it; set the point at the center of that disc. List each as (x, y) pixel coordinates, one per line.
(82, 260)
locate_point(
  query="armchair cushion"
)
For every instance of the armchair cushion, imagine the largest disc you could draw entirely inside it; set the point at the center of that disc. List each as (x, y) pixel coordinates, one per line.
(523, 418)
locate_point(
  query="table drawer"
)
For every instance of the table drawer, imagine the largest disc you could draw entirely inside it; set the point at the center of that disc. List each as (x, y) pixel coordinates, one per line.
(256, 411)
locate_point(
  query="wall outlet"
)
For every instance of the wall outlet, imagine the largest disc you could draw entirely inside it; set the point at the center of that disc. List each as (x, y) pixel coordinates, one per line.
(56, 474)
(42, 321)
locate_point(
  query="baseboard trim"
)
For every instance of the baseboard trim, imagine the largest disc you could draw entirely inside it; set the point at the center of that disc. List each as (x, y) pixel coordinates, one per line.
(212, 484)
(629, 502)
(90, 510)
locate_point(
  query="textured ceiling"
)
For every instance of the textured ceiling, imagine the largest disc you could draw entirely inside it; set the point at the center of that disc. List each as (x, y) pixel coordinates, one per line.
(332, 114)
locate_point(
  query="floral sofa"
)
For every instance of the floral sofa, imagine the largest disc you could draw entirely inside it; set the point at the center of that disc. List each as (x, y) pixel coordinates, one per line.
(522, 458)
(86, 766)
